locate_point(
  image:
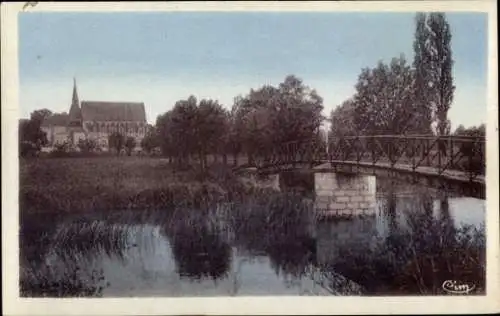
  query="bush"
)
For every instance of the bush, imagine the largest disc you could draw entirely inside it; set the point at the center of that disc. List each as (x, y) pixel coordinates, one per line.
(28, 149)
(417, 259)
(61, 150)
(87, 145)
(130, 145)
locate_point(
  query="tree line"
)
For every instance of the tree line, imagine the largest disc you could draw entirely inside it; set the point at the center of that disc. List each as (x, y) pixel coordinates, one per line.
(256, 124)
(403, 98)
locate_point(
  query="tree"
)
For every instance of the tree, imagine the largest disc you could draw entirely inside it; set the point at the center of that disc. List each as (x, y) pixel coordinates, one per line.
(253, 116)
(181, 129)
(421, 62)
(130, 145)
(342, 122)
(233, 139)
(383, 103)
(299, 112)
(440, 71)
(31, 136)
(116, 141)
(193, 129)
(41, 115)
(271, 116)
(473, 131)
(460, 130)
(342, 119)
(150, 140)
(212, 127)
(256, 124)
(471, 149)
(433, 63)
(165, 139)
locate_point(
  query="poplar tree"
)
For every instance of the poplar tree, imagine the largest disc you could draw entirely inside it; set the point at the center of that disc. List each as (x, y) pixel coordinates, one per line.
(441, 70)
(433, 64)
(421, 63)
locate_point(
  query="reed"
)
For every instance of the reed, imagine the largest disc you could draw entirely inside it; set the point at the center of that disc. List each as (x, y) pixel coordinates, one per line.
(68, 280)
(417, 256)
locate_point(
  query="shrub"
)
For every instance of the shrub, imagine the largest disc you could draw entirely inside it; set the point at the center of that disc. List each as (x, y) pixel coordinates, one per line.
(61, 150)
(87, 145)
(417, 259)
(28, 149)
(130, 145)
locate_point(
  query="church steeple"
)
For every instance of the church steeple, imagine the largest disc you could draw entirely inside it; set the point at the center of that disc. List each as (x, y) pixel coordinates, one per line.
(75, 93)
(75, 117)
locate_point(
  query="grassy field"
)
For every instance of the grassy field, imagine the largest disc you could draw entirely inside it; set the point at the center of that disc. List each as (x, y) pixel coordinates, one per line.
(116, 183)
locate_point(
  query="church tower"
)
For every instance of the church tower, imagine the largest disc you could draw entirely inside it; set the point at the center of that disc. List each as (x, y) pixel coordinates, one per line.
(75, 114)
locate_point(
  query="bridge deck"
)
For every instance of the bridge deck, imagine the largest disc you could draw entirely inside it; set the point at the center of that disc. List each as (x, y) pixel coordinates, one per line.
(455, 175)
(329, 166)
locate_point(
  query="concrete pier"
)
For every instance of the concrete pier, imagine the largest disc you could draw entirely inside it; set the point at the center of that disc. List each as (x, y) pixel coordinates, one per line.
(345, 194)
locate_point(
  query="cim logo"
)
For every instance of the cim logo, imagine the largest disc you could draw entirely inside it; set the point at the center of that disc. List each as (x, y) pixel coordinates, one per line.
(455, 287)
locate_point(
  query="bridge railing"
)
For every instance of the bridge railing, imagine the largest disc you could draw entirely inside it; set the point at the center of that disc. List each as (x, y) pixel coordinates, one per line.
(444, 153)
(464, 154)
(294, 152)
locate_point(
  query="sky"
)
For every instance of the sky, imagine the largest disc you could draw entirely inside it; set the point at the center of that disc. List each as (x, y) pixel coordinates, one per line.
(159, 58)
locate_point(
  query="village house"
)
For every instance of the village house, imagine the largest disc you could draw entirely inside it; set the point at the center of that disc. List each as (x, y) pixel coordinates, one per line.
(96, 120)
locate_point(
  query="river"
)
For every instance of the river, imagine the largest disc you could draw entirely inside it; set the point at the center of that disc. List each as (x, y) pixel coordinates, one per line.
(122, 256)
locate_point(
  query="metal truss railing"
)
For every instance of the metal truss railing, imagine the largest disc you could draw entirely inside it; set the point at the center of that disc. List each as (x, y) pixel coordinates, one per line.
(462, 154)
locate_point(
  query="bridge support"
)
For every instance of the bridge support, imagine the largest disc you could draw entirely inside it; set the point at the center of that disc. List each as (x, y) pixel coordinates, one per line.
(344, 195)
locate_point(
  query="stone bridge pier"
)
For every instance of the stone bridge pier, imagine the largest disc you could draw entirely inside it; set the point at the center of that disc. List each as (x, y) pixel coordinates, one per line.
(345, 195)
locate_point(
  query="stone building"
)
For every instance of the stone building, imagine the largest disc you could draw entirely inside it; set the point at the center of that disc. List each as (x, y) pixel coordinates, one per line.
(55, 127)
(97, 120)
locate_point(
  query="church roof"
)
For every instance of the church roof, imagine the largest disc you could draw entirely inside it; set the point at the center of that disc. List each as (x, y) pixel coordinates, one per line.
(112, 111)
(56, 120)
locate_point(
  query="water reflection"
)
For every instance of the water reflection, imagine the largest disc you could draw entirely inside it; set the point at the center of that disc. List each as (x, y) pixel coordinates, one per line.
(292, 257)
(201, 254)
(274, 249)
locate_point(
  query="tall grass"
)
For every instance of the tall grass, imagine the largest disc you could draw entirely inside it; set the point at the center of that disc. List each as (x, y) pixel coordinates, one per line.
(112, 183)
(68, 280)
(417, 256)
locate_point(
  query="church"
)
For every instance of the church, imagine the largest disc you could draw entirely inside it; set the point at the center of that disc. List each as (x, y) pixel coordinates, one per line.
(97, 120)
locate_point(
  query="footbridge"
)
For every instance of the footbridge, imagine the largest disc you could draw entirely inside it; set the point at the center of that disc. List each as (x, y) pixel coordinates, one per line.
(453, 162)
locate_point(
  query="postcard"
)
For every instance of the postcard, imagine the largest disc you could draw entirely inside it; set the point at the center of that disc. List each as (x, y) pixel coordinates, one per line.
(250, 158)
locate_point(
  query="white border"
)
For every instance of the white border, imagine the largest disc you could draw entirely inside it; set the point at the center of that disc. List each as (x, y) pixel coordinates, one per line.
(13, 305)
